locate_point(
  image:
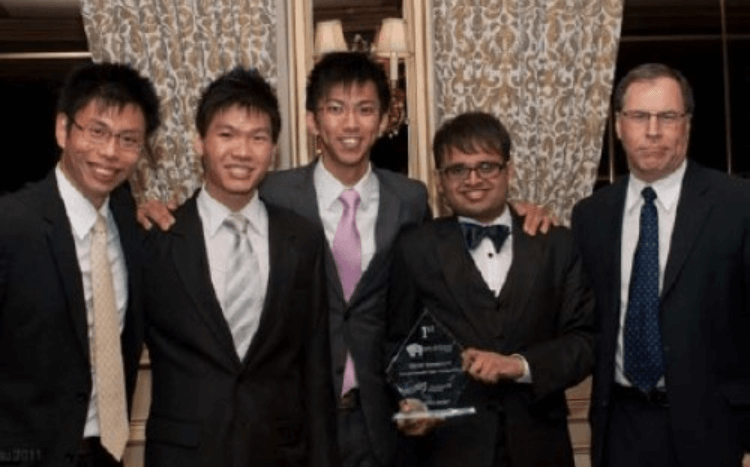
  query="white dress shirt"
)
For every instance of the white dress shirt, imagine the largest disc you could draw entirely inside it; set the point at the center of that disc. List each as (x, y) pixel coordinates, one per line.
(82, 216)
(328, 189)
(219, 240)
(667, 195)
(494, 266)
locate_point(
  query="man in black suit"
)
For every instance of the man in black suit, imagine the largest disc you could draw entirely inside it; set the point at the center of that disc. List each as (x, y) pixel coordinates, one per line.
(519, 305)
(672, 377)
(347, 109)
(237, 317)
(70, 281)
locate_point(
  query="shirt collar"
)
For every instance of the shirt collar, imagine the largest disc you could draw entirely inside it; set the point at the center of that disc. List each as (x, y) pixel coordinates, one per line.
(329, 188)
(667, 189)
(216, 212)
(502, 219)
(81, 213)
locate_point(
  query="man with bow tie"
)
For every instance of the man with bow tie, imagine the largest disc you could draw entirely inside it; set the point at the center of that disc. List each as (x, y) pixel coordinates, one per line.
(520, 307)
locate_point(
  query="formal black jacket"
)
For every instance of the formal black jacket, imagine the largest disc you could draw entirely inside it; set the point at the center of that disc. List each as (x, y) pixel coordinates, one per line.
(45, 371)
(273, 406)
(705, 313)
(544, 312)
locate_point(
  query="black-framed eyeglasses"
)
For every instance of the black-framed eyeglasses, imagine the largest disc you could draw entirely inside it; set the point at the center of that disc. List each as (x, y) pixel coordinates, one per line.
(99, 134)
(641, 117)
(460, 172)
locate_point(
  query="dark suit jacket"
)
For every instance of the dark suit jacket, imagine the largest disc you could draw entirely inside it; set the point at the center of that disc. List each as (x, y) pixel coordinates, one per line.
(45, 372)
(359, 325)
(545, 314)
(275, 406)
(705, 313)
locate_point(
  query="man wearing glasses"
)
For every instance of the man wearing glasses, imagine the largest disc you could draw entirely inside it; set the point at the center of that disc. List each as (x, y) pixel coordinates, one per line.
(667, 249)
(71, 324)
(519, 305)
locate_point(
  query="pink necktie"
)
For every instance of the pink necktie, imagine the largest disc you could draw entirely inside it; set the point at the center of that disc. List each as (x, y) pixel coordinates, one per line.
(347, 252)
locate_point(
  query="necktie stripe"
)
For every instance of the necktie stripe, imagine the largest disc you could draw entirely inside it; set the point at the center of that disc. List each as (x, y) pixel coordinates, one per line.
(643, 352)
(242, 285)
(347, 253)
(106, 351)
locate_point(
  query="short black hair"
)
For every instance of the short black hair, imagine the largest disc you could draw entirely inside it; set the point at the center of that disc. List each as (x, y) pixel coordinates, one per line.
(241, 87)
(346, 68)
(650, 72)
(114, 84)
(470, 132)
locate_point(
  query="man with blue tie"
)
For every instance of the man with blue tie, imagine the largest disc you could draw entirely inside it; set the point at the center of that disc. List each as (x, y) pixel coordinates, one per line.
(519, 305)
(667, 249)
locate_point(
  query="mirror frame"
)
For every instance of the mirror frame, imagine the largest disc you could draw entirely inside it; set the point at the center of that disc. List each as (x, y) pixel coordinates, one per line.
(419, 86)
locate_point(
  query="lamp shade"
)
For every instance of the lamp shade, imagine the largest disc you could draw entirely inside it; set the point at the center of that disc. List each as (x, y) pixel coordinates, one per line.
(392, 38)
(329, 37)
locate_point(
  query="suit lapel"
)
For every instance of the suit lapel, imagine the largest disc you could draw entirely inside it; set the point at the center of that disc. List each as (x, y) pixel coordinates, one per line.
(521, 276)
(465, 283)
(608, 229)
(386, 227)
(123, 209)
(305, 201)
(692, 211)
(283, 260)
(191, 262)
(62, 244)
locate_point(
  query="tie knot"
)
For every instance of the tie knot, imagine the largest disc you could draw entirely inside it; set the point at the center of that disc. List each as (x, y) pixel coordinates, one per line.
(237, 222)
(474, 233)
(350, 199)
(100, 226)
(648, 194)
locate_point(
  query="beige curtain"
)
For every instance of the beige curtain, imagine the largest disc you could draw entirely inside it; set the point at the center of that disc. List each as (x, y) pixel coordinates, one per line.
(545, 68)
(181, 45)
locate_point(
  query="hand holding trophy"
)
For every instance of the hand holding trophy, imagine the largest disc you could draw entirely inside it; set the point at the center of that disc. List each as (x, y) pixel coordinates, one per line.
(428, 373)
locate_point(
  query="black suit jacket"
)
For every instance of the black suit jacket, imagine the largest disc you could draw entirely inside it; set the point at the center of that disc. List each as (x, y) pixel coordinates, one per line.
(546, 315)
(209, 407)
(705, 313)
(359, 325)
(45, 371)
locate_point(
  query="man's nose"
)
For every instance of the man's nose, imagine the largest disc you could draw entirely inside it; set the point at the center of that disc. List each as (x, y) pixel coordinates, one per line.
(653, 128)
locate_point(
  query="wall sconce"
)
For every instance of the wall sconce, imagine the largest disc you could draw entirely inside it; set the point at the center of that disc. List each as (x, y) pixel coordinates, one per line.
(390, 44)
(329, 37)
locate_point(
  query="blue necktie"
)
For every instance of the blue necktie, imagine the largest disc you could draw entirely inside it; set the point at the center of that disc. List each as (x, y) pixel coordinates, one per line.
(644, 355)
(474, 233)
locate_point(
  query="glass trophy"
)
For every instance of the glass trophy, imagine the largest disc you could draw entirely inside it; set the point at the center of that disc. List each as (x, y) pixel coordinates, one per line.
(427, 367)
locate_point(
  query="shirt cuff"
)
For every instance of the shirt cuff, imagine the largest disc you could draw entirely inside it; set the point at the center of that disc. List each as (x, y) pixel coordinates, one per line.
(526, 378)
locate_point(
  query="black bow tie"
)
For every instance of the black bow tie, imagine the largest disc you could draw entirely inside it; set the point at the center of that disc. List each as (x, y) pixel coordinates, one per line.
(474, 233)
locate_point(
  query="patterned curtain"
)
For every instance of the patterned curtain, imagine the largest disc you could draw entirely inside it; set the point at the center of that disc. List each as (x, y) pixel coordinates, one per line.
(181, 45)
(545, 68)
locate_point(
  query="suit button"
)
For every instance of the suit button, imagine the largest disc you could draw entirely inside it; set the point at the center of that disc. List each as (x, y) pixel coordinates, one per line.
(81, 397)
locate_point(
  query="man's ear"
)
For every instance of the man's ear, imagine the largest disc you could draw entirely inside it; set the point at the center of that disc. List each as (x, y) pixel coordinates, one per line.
(618, 125)
(198, 146)
(383, 123)
(511, 170)
(439, 182)
(312, 124)
(61, 130)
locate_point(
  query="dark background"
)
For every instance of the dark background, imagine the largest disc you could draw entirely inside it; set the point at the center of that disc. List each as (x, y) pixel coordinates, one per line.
(708, 40)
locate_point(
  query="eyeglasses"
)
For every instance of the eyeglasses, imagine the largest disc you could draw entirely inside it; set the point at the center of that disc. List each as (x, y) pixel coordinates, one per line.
(485, 170)
(363, 110)
(642, 117)
(98, 133)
